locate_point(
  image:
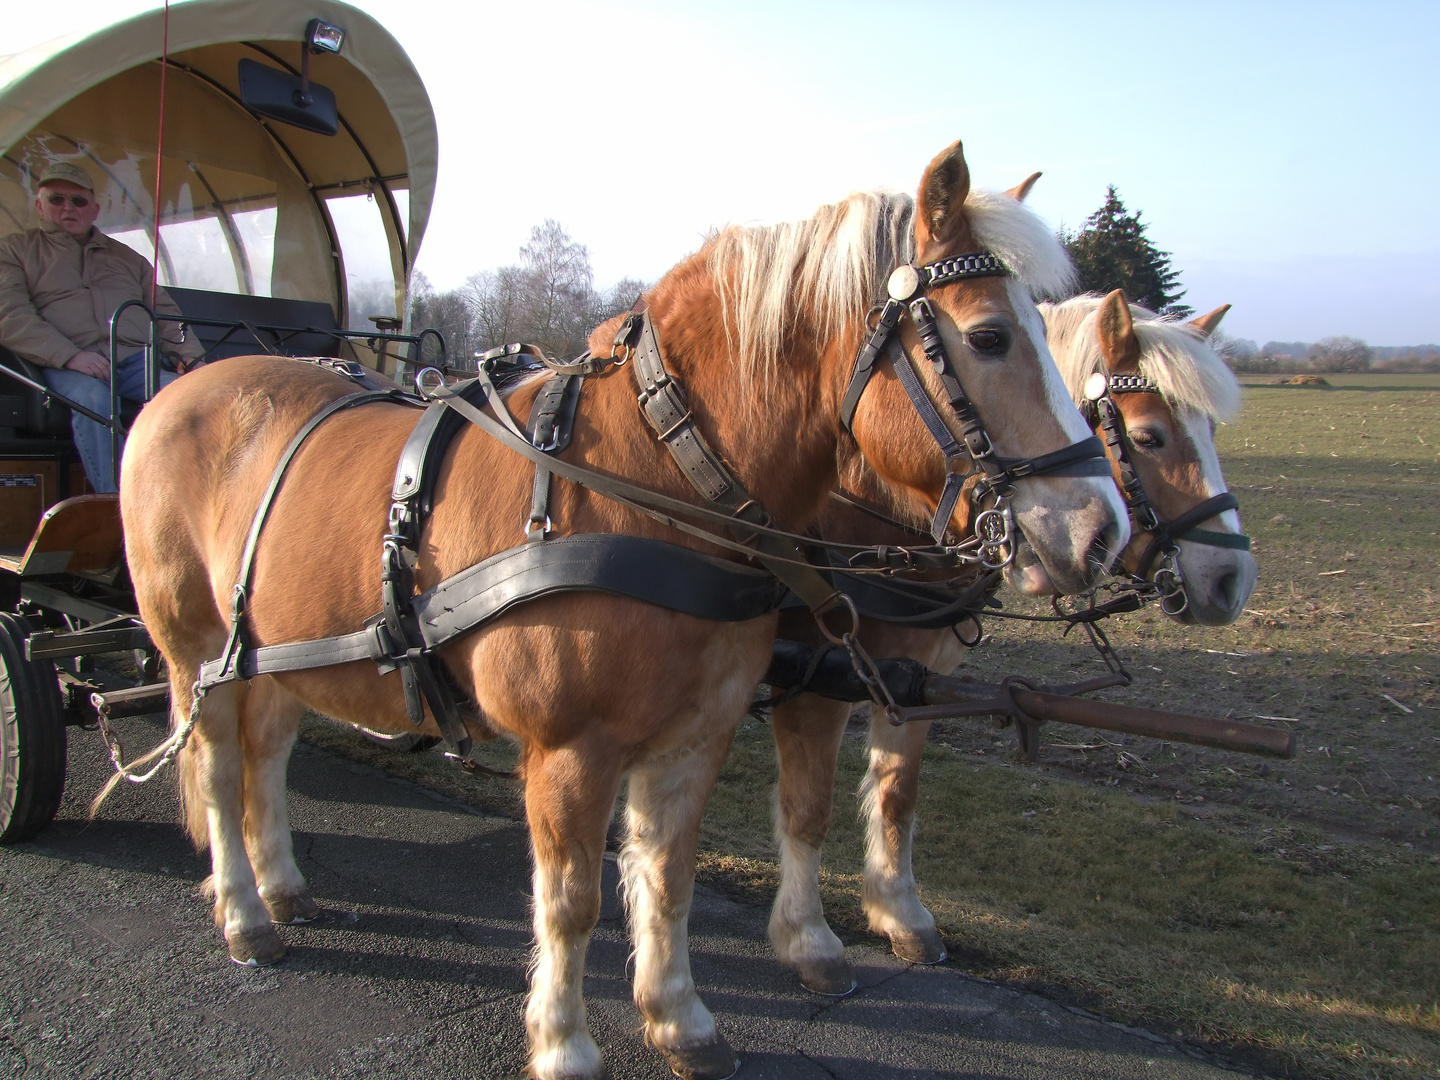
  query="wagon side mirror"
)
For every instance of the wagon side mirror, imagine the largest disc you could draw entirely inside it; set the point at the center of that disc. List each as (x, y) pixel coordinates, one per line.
(278, 95)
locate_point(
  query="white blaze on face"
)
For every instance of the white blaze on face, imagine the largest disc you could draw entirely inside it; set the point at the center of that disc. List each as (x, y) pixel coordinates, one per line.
(1197, 429)
(1057, 397)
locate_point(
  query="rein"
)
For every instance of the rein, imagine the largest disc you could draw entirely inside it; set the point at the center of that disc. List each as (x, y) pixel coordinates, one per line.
(993, 527)
(1101, 407)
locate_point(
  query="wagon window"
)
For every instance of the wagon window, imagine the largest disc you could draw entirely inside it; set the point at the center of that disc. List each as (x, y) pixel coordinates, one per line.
(365, 250)
(200, 255)
(256, 231)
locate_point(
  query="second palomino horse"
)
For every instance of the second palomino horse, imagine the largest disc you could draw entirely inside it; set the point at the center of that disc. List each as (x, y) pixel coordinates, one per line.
(761, 328)
(1168, 388)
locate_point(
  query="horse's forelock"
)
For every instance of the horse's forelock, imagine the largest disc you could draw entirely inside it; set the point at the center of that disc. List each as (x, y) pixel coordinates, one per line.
(1019, 238)
(1173, 355)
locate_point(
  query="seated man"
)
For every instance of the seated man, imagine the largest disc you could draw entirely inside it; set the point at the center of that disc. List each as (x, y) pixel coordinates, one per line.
(59, 285)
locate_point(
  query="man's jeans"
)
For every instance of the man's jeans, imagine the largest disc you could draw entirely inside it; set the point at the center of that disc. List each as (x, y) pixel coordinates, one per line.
(92, 439)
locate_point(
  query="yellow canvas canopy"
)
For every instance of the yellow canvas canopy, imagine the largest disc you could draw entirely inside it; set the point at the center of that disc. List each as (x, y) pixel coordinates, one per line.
(247, 205)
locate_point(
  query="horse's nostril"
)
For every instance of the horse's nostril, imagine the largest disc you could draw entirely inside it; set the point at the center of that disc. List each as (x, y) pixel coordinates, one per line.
(1227, 590)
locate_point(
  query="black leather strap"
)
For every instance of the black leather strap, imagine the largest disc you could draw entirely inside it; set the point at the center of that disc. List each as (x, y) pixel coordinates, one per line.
(552, 421)
(652, 571)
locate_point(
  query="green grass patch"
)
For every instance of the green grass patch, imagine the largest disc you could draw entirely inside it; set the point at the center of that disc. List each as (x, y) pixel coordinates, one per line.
(1324, 962)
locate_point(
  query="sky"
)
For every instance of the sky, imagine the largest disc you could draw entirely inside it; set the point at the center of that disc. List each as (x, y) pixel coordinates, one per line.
(1285, 154)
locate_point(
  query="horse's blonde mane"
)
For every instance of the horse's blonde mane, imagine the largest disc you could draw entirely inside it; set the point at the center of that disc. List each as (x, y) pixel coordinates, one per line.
(834, 264)
(1173, 355)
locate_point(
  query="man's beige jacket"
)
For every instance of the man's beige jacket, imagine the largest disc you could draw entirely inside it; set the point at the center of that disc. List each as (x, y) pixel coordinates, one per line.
(57, 294)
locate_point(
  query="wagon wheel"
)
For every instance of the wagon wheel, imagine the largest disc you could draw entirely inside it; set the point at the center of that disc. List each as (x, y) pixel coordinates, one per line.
(32, 736)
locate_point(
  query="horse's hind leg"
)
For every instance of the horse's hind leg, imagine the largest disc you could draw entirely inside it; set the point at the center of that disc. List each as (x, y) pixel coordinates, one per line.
(269, 718)
(889, 793)
(569, 797)
(212, 778)
(663, 808)
(808, 731)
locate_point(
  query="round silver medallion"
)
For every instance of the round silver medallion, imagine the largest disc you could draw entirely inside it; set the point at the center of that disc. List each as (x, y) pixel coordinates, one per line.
(1095, 386)
(904, 283)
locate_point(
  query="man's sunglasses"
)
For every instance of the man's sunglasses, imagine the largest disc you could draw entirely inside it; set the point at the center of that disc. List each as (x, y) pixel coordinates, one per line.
(77, 201)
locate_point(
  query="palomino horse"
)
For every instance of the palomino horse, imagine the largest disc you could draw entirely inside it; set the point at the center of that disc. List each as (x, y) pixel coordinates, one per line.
(1170, 443)
(761, 327)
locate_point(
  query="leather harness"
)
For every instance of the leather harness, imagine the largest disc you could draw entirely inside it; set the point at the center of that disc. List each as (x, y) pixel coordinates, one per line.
(409, 630)
(995, 474)
(1100, 407)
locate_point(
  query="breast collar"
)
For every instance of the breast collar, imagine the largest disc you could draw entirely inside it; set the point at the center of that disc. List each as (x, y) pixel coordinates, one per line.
(996, 475)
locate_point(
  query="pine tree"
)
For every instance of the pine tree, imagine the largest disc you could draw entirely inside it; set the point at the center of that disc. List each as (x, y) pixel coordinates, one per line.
(1111, 251)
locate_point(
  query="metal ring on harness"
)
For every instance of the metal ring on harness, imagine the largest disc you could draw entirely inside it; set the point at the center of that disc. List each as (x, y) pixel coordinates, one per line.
(427, 388)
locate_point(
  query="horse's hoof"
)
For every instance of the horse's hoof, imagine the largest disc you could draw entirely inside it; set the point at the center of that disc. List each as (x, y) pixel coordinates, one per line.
(922, 948)
(259, 947)
(832, 978)
(713, 1061)
(296, 908)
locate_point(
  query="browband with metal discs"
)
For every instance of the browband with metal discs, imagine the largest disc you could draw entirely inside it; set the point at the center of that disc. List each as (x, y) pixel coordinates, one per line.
(995, 474)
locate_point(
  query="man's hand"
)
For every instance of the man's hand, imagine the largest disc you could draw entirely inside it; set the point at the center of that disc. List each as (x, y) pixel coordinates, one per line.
(90, 363)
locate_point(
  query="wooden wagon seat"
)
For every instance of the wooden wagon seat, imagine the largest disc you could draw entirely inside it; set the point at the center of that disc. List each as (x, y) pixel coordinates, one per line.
(75, 536)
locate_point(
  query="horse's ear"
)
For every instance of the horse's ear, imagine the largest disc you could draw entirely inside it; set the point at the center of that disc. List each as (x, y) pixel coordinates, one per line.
(1206, 324)
(1020, 190)
(1117, 332)
(943, 189)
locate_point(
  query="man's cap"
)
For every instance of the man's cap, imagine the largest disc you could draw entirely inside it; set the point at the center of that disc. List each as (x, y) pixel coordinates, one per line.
(67, 170)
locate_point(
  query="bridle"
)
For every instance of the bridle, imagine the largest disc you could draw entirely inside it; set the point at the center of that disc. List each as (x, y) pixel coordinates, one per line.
(1100, 407)
(993, 528)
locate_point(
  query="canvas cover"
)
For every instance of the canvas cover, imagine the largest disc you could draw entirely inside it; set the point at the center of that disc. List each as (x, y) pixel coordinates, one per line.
(248, 206)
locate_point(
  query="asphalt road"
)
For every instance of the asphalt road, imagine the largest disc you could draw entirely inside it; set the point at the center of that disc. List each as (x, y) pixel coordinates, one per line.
(110, 965)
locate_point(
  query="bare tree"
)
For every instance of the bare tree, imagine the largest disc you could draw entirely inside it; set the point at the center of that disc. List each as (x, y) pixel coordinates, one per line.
(1341, 354)
(496, 301)
(547, 299)
(558, 287)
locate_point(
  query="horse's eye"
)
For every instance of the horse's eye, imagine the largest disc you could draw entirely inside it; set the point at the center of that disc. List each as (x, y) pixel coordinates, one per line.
(989, 341)
(1147, 439)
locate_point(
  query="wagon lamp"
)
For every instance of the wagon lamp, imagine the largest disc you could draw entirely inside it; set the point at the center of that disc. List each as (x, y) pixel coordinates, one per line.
(321, 36)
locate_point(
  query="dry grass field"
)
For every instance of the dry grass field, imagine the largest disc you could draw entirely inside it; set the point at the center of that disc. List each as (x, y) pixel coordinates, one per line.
(1284, 913)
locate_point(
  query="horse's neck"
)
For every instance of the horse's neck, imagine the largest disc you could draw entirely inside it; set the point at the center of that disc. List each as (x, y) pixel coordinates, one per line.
(778, 435)
(782, 447)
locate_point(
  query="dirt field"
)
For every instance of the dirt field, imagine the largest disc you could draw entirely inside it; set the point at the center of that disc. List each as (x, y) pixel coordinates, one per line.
(1286, 913)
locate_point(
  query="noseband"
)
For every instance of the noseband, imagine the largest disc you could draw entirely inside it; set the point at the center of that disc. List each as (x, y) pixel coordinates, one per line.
(1100, 407)
(996, 475)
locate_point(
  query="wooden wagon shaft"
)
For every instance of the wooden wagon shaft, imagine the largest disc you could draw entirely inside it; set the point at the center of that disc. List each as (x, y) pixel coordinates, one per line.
(924, 695)
(948, 697)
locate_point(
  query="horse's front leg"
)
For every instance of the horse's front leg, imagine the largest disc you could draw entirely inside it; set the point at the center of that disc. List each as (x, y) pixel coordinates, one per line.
(211, 779)
(808, 731)
(663, 808)
(888, 795)
(269, 719)
(569, 796)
